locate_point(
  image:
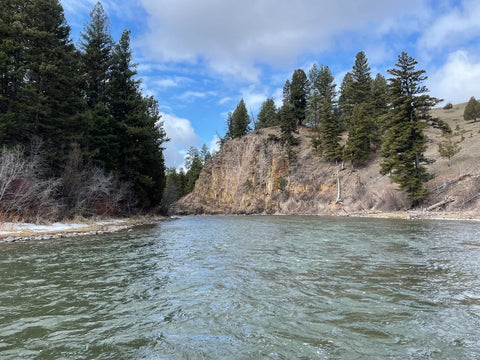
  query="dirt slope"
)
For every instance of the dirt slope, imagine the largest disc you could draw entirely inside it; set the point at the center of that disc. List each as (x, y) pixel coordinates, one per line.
(253, 175)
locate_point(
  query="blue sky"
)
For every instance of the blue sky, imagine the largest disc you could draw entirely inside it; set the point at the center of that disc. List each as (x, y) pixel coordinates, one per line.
(200, 57)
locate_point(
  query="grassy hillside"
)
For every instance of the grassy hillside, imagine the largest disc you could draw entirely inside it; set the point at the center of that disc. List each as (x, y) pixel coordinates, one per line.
(253, 174)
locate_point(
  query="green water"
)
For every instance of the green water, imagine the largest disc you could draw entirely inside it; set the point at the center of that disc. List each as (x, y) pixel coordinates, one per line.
(247, 288)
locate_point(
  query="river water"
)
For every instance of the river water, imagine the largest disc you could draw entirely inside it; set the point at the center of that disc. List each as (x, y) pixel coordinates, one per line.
(256, 287)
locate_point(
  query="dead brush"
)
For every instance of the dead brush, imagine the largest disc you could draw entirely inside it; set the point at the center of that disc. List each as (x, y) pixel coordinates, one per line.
(470, 194)
(392, 200)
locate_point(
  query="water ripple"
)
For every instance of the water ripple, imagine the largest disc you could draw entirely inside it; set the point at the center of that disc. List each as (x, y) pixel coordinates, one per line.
(246, 288)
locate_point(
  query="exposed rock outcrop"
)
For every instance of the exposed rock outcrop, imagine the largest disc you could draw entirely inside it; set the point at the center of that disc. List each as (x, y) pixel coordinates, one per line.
(254, 175)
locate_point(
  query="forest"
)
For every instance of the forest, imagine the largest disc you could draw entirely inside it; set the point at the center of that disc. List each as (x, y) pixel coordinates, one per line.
(367, 118)
(77, 135)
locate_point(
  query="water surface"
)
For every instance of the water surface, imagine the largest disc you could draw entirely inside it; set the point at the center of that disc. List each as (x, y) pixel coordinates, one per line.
(258, 287)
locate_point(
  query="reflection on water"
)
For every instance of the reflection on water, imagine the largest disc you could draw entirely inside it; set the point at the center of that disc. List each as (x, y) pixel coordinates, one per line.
(246, 288)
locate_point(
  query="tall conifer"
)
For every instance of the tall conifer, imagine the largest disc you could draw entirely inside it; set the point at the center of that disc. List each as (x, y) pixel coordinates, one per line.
(268, 115)
(404, 142)
(140, 133)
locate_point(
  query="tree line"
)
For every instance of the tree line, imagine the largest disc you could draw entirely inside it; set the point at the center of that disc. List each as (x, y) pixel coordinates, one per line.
(81, 106)
(379, 115)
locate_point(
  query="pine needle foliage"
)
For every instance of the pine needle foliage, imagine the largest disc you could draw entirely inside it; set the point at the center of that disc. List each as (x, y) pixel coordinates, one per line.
(404, 143)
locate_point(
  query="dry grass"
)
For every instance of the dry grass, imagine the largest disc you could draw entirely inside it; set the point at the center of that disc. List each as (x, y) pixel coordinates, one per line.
(310, 186)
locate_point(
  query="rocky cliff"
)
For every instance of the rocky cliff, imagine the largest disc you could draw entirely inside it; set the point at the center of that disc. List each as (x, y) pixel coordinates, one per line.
(254, 175)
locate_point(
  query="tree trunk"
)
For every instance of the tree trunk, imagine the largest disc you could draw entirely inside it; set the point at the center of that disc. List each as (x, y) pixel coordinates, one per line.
(339, 198)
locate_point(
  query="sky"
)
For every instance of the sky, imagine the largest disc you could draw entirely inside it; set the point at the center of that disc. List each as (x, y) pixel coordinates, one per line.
(198, 58)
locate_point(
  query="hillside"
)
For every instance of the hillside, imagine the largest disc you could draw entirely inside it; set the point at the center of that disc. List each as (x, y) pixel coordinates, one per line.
(253, 175)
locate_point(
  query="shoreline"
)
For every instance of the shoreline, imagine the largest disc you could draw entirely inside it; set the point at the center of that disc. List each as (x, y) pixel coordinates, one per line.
(400, 215)
(420, 215)
(24, 232)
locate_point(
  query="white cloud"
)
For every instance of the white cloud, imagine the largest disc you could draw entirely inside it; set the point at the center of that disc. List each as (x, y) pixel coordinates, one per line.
(165, 83)
(224, 100)
(454, 27)
(232, 36)
(192, 95)
(214, 144)
(458, 79)
(253, 98)
(181, 135)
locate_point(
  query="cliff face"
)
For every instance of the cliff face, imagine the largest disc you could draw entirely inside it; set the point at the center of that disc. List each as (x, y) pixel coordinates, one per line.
(254, 175)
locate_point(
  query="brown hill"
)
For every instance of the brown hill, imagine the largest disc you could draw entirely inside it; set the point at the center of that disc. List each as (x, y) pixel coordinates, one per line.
(253, 175)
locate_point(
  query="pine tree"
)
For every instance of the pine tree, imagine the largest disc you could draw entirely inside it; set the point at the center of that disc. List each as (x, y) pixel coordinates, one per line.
(346, 100)
(357, 148)
(205, 154)
(448, 148)
(362, 81)
(404, 142)
(328, 143)
(194, 165)
(472, 110)
(299, 88)
(137, 126)
(230, 128)
(287, 117)
(321, 86)
(288, 124)
(14, 125)
(267, 115)
(380, 107)
(103, 137)
(96, 46)
(241, 120)
(40, 93)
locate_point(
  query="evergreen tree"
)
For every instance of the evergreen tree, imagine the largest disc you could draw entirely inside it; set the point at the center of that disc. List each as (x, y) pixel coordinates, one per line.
(357, 148)
(172, 191)
(299, 88)
(328, 142)
(380, 94)
(346, 100)
(472, 110)
(15, 127)
(267, 115)
(286, 92)
(448, 148)
(103, 136)
(238, 122)
(287, 116)
(362, 81)
(288, 124)
(380, 106)
(321, 86)
(140, 133)
(194, 165)
(230, 128)
(205, 154)
(40, 93)
(404, 142)
(96, 46)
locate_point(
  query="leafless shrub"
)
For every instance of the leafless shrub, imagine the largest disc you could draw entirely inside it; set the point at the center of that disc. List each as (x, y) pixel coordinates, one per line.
(24, 191)
(392, 200)
(471, 193)
(87, 190)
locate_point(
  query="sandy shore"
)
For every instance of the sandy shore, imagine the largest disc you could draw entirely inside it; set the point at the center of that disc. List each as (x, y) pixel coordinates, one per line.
(13, 232)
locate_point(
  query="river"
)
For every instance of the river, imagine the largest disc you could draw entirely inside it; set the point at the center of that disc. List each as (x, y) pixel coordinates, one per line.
(247, 287)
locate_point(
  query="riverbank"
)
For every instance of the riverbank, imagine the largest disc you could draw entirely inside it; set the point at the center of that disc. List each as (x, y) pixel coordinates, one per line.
(18, 231)
(420, 215)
